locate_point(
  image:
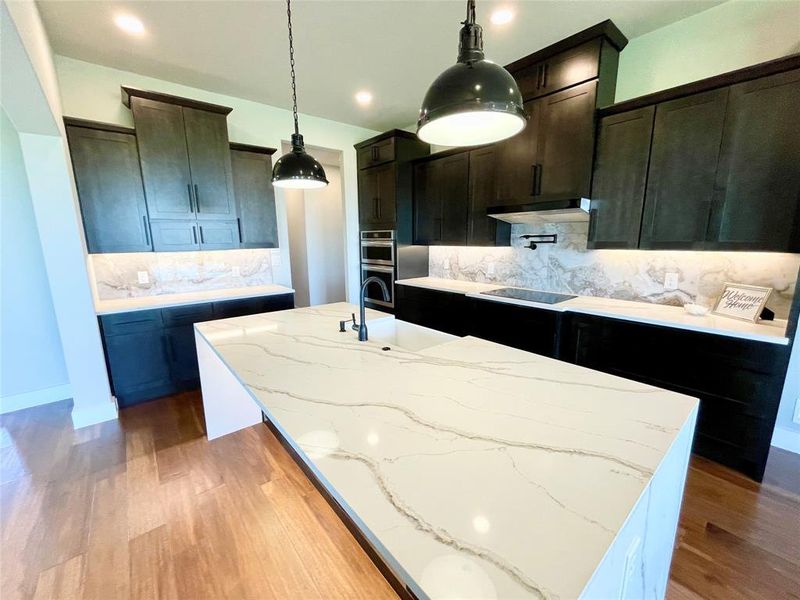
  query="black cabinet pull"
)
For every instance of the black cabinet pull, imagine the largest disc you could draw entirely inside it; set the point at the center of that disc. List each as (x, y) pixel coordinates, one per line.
(374, 150)
(539, 71)
(378, 204)
(533, 180)
(191, 202)
(239, 228)
(536, 180)
(196, 199)
(544, 75)
(194, 233)
(146, 230)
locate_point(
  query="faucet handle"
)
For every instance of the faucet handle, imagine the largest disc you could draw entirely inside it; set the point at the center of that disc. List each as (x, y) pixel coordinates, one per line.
(343, 324)
(354, 327)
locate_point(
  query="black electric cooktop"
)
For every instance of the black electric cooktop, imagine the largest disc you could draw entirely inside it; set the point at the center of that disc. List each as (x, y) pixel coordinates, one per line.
(529, 295)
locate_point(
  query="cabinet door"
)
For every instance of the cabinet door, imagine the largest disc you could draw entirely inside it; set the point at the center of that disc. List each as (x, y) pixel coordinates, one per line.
(427, 202)
(482, 229)
(255, 199)
(376, 197)
(210, 163)
(683, 165)
(109, 182)
(443, 311)
(218, 235)
(565, 143)
(526, 328)
(561, 71)
(376, 154)
(182, 353)
(757, 197)
(516, 162)
(161, 138)
(454, 185)
(138, 359)
(619, 178)
(175, 236)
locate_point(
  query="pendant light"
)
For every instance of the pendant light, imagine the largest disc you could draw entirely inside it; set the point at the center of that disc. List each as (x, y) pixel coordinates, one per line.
(297, 169)
(473, 102)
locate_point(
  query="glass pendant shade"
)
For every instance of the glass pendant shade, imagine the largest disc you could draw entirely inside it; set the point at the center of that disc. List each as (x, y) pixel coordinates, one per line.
(473, 102)
(297, 169)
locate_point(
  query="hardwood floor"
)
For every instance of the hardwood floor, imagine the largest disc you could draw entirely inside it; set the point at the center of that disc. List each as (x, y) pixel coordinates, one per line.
(145, 507)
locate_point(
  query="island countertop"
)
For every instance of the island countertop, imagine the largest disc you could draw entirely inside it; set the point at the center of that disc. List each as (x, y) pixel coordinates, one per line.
(476, 467)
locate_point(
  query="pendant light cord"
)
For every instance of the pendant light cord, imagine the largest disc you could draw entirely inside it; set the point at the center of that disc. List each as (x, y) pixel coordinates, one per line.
(291, 66)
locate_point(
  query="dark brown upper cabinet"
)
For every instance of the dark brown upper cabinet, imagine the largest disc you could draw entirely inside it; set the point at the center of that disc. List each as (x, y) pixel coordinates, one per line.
(255, 196)
(619, 179)
(106, 166)
(376, 197)
(756, 199)
(565, 143)
(384, 182)
(721, 165)
(441, 191)
(483, 230)
(683, 167)
(563, 85)
(183, 147)
(516, 161)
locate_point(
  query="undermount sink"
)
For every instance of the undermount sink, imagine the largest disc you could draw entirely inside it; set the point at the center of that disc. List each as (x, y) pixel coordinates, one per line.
(392, 332)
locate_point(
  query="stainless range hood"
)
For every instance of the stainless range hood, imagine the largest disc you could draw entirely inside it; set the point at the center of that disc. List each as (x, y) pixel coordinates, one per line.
(573, 210)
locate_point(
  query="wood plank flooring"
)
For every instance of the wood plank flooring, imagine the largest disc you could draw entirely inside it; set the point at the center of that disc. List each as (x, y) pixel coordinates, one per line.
(146, 507)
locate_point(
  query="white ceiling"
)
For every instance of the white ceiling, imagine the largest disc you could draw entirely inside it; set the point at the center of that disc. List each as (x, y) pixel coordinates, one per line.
(392, 48)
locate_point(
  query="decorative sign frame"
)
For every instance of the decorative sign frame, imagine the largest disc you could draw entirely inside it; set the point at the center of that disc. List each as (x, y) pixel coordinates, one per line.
(739, 301)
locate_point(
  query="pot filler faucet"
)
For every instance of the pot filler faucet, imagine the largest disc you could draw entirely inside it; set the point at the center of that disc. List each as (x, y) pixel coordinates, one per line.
(362, 325)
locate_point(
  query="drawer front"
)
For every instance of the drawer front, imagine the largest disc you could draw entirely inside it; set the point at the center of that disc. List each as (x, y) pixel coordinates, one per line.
(443, 311)
(131, 322)
(376, 154)
(526, 328)
(187, 315)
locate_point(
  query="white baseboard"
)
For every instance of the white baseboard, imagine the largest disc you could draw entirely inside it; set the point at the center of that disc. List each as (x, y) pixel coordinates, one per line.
(35, 398)
(788, 439)
(83, 416)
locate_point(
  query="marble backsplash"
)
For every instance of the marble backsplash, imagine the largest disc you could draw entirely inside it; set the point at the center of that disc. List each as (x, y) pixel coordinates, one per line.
(117, 275)
(568, 267)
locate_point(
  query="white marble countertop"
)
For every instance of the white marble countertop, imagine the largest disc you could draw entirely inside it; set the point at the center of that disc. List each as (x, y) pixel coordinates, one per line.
(107, 307)
(481, 470)
(640, 312)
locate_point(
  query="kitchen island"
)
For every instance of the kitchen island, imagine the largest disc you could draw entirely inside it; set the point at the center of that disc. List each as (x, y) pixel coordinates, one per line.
(468, 469)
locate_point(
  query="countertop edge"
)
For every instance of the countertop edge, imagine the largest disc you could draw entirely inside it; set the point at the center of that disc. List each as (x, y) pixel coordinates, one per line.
(99, 310)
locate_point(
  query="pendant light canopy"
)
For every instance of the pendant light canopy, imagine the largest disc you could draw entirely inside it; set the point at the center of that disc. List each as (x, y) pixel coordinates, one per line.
(297, 169)
(473, 102)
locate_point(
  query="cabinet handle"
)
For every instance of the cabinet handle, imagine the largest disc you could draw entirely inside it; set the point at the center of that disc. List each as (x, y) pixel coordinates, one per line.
(374, 150)
(196, 199)
(191, 198)
(378, 204)
(592, 222)
(146, 230)
(537, 190)
(533, 180)
(539, 71)
(194, 233)
(239, 228)
(439, 235)
(544, 75)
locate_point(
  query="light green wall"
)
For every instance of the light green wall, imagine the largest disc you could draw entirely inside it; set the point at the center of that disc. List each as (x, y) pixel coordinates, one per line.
(730, 36)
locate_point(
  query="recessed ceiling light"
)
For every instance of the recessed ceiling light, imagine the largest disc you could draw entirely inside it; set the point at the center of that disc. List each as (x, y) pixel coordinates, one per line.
(364, 98)
(129, 24)
(502, 16)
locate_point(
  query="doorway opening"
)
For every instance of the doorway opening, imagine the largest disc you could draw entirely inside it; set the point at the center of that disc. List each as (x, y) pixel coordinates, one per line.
(316, 223)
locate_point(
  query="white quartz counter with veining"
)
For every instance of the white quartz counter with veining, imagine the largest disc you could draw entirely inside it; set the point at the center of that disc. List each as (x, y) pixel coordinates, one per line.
(483, 471)
(640, 312)
(118, 305)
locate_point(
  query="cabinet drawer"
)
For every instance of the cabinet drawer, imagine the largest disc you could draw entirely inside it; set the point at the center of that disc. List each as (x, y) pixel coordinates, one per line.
(131, 322)
(566, 69)
(187, 315)
(218, 235)
(376, 154)
(526, 328)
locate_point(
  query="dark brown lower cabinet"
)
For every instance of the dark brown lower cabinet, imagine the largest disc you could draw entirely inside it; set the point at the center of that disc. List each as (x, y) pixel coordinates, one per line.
(152, 353)
(443, 311)
(739, 382)
(526, 328)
